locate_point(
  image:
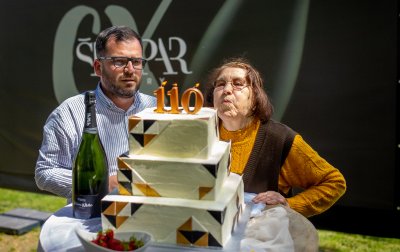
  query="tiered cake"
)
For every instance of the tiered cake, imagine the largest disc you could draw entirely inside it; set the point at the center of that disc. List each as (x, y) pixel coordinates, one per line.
(175, 182)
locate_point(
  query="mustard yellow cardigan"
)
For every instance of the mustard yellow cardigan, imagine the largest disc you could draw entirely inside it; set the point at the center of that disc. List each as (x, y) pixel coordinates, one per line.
(303, 168)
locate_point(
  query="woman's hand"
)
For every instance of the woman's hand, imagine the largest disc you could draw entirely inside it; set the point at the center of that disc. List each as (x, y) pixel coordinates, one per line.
(270, 198)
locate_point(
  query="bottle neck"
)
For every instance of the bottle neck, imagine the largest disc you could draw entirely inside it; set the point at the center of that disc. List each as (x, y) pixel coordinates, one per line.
(90, 119)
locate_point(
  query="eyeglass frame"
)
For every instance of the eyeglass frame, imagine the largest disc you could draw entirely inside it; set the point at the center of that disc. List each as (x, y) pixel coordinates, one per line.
(129, 59)
(220, 87)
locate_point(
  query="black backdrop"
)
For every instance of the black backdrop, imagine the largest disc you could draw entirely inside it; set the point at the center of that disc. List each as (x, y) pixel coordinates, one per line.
(330, 68)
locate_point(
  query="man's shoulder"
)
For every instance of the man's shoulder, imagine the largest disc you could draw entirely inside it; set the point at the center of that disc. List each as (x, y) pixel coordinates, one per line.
(79, 98)
(146, 96)
(72, 105)
(147, 100)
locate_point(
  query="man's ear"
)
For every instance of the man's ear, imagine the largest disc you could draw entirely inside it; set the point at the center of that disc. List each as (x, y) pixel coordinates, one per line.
(97, 67)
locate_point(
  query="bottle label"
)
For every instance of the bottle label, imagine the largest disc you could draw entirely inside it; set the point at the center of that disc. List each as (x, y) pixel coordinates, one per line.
(84, 206)
(90, 130)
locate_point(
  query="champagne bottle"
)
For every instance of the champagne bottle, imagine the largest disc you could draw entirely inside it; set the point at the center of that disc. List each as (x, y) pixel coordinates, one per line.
(90, 170)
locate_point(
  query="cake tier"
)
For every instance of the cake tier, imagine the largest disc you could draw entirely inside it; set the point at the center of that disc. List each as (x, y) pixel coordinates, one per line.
(178, 221)
(173, 135)
(187, 178)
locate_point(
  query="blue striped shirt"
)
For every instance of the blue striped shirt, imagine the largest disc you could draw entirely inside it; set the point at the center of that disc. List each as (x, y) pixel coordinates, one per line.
(62, 134)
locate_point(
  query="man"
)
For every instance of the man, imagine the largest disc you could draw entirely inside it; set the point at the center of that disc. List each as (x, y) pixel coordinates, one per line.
(119, 65)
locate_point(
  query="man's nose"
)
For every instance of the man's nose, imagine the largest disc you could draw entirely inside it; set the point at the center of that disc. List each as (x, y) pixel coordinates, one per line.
(129, 67)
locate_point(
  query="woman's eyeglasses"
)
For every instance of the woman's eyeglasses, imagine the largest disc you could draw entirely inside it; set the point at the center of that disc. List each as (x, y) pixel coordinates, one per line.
(237, 84)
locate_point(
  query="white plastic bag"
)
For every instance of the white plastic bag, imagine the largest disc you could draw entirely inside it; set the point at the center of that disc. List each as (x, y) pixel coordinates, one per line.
(278, 228)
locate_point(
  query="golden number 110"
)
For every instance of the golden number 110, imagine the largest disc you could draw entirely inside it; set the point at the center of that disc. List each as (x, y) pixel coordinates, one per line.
(174, 99)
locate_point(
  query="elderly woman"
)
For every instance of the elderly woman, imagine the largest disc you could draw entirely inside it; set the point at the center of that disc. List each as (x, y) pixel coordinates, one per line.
(272, 158)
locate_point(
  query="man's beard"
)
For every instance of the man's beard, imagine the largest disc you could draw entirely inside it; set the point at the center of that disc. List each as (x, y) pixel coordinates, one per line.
(120, 92)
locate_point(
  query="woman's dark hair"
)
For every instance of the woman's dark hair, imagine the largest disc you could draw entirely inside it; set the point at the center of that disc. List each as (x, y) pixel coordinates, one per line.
(262, 107)
(119, 33)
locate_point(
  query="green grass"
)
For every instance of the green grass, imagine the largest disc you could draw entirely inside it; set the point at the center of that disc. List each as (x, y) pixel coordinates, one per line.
(329, 241)
(10, 199)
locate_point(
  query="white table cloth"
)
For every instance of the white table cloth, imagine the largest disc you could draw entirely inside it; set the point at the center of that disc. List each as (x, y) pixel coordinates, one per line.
(273, 228)
(58, 233)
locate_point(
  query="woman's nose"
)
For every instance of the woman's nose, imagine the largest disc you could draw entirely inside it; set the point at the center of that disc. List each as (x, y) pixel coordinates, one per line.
(228, 87)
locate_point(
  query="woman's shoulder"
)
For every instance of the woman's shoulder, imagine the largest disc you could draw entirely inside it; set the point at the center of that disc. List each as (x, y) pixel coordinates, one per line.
(278, 128)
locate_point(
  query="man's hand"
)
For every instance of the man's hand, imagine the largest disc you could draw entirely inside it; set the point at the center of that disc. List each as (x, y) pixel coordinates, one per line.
(112, 182)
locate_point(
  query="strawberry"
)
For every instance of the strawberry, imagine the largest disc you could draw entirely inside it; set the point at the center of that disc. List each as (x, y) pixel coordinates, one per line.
(116, 245)
(119, 247)
(114, 242)
(106, 239)
(132, 245)
(103, 244)
(110, 234)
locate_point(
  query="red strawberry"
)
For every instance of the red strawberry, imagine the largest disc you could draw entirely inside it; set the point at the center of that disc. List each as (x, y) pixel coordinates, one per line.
(106, 239)
(103, 244)
(110, 234)
(114, 244)
(119, 247)
(132, 245)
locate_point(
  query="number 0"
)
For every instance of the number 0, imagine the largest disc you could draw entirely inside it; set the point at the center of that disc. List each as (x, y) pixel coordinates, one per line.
(198, 100)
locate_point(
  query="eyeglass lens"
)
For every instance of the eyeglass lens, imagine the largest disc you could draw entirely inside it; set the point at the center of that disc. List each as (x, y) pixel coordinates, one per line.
(237, 84)
(137, 63)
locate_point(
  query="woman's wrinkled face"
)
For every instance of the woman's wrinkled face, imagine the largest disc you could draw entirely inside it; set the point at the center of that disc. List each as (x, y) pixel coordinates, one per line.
(232, 94)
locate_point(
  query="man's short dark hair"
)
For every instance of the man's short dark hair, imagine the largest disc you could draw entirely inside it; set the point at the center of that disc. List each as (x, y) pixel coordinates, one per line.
(119, 33)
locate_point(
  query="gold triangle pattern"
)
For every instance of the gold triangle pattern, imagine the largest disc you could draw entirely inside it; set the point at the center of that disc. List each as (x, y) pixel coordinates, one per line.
(187, 236)
(203, 191)
(202, 241)
(133, 121)
(115, 214)
(147, 190)
(187, 225)
(115, 208)
(122, 164)
(119, 206)
(148, 138)
(123, 191)
(110, 210)
(120, 220)
(181, 239)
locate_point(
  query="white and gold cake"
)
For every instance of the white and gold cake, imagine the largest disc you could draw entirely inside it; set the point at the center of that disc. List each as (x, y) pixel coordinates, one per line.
(173, 135)
(175, 182)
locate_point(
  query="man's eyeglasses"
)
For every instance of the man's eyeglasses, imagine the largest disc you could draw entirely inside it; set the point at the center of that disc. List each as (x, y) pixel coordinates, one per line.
(118, 62)
(237, 84)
